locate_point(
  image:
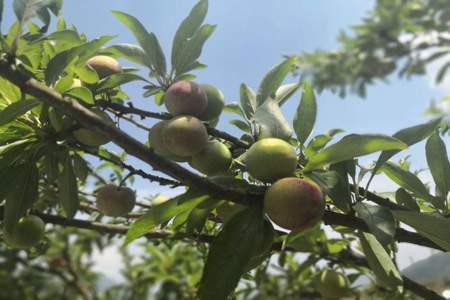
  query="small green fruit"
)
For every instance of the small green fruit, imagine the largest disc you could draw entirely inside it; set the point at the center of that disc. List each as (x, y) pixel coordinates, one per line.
(104, 65)
(184, 135)
(160, 199)
(156, 142)
(332, 285)
(216, 102)
(185, 98)
(212, 159)
(294, 203)
(27, 232)
(270, 159)
(90, 137)
(115, 201)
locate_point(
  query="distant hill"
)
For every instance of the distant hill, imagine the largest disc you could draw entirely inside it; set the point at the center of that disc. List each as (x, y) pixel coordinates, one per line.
(436, 268)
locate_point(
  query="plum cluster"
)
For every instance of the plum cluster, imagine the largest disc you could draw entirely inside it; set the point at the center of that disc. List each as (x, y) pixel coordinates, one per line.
(184, 137)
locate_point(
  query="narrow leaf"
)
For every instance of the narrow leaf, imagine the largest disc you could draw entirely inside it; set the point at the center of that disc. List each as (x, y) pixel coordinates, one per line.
(15, 110)
(352, 146)
(81, 93)
(285, 92)
(188, 28)
(68, 188)
(23, 192)
(379, 261)
(147, 40)
(248, 100)
(306, 114)
(410, 182)
(117, 80)
(239, 241)
(438, 163)
(273, 80)
(434, 227)
(163, 213)
(403, 198)
(379, 219)
(271, 121)
(130, 52)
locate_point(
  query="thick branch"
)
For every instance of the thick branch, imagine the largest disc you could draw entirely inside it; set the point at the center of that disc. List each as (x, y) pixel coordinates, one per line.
(129, 144)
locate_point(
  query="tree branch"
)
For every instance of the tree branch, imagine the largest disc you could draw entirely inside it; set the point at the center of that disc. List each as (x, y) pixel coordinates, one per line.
(133, 147)
(121, 109)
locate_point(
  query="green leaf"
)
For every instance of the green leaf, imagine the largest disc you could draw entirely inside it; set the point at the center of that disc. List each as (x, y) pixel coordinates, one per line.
(163, 213)
(68, 188)
(438, 163)
(306, 114)
(285, 92)
(317, 143)
(241, 125)
(379, 219)
(61, 61)
(340, 193)
(409, 136)
(434, 227)
(15, 110)
(271, 121)
(147, 40)
(193, 49)
(27, 9)
(187, 29)
(81, 93)
(130, 52)
(410, 182)
(23, 192)
(352, 146)
(248, 100)
(379, 261)
(273, 80)
(86, 74)
(198, 216)
(240, 239)
(403, 198)
(116, 80)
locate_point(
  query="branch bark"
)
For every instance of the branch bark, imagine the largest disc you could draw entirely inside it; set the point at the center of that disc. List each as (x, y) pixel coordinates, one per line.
(132, 146)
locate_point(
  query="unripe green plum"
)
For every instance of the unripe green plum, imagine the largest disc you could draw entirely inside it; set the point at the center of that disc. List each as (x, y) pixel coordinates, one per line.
(115, 201)
(90, 137)
(160, 199)
(270, 159)
(185, 98)
(104, 65)
(184, 135)
(216, 102)
(332, 285)
(214, 158)
(28, 232)
(294, 203)
(155, 138)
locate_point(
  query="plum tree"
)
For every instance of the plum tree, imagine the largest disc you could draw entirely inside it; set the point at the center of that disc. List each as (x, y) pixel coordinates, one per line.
(332, 284)
(216, 103)
(185, 98)
(155, 138)
(270, 159)
(294, 203)
(26, 233)
(184, 135)
(91, 137)
(104, 65)
(214, 158)
(115, 201)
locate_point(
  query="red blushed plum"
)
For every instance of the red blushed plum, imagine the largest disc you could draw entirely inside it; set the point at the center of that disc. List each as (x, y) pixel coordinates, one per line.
(185, 98)
(294, 203)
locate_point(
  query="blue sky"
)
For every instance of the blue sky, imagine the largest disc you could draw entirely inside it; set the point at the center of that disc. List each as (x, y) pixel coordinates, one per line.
(252, 36)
